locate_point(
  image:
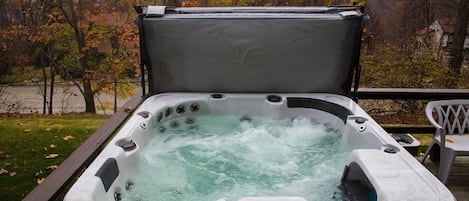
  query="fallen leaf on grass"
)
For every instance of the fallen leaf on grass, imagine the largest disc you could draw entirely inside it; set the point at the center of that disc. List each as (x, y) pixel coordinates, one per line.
(40, 180)
(50, 156)
(68, 137)
(3, 171)
(12, 174)
(53, 146)
(38, 173)
(27, 130)
(51, 167)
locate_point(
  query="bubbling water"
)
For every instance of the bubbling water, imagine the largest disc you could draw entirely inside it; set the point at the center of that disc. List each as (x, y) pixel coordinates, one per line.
(223, 157)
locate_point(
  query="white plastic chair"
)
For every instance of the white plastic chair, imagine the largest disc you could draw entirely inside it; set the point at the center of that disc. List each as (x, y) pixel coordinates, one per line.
(452, 132)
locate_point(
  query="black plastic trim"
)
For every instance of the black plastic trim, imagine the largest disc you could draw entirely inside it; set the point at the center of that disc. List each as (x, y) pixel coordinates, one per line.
(126, 144)
(335, 109)
(144, 114)
(390, 150)
(217, 96)
(108, 173)
(274, 98)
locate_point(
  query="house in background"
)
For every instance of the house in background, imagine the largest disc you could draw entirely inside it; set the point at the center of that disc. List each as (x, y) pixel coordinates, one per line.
(438, 38)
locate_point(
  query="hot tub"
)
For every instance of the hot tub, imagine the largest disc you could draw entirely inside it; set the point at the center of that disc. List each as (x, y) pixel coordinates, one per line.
(289, 68)
(377, 163)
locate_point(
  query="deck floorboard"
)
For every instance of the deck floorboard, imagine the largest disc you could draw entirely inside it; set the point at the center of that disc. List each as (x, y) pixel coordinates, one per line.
(458, 181)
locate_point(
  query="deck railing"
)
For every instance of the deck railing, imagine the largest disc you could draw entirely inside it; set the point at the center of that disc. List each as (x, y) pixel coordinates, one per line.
(59, 179)
(411, 94)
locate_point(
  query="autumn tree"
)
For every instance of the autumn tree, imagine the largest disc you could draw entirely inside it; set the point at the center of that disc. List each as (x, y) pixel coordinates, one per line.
(89, 43)
(12, 24)
(124, 53)
(44, 34)
(26, 32)
(94, 29)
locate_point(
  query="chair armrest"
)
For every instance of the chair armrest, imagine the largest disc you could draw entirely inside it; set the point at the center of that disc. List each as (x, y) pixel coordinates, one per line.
(429, 114)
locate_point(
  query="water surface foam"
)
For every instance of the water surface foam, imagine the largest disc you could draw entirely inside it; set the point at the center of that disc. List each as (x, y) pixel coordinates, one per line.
(223, 157)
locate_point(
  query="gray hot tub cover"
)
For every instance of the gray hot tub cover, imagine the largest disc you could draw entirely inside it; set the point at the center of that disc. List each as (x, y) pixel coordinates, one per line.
(250, 49)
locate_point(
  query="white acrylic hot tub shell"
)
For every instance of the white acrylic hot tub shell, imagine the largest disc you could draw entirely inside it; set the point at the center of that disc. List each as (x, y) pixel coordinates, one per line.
(396, 176)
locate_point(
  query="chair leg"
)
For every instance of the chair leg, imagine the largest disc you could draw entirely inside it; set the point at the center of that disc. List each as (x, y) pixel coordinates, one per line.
(446, 162)
(435, 153)
(427, 152)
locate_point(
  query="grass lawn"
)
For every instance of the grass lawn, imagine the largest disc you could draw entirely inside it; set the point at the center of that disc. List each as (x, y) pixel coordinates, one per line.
(31, 146)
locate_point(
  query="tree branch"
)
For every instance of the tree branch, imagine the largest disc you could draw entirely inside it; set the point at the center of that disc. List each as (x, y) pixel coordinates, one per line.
(67, 18)
(78, 86)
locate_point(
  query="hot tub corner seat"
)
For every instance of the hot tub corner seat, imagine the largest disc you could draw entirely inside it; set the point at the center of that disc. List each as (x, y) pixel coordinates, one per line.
(393, 177)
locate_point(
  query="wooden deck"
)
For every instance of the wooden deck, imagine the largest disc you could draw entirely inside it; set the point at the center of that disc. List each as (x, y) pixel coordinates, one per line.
(458, 181)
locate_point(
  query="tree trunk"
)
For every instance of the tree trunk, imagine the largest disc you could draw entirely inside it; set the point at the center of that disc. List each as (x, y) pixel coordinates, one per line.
(52, 79)
(457, 48)
(88, 94)
(44, 95)
(115, 95)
